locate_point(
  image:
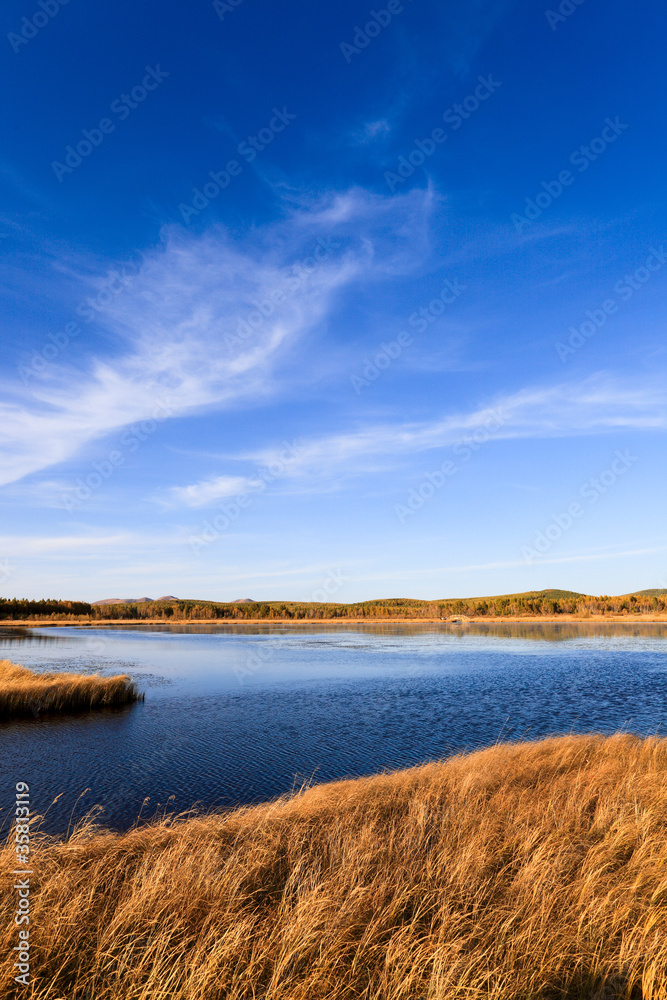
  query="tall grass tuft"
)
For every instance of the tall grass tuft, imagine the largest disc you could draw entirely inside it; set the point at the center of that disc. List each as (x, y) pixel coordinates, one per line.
(25, 692)
(530, 871)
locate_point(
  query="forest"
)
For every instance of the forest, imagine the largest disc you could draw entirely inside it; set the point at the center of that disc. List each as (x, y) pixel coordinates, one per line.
(546, 602)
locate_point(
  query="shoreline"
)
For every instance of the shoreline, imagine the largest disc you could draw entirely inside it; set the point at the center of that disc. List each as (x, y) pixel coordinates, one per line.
(613, 619)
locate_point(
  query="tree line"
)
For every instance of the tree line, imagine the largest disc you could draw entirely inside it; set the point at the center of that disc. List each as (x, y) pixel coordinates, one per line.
(23, 608)
(513, 605)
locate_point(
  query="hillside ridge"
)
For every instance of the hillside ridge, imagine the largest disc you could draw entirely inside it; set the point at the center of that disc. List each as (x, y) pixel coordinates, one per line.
(549, 602)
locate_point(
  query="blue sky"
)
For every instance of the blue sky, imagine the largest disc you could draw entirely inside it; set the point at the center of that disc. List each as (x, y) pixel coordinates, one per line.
(306, 300)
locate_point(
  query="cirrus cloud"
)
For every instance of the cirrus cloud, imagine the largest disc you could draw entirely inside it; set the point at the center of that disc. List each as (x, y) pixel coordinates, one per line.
(207, 322)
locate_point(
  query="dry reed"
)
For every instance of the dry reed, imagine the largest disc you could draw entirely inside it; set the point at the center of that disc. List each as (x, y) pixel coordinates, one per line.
(25, 692)
(532, 871)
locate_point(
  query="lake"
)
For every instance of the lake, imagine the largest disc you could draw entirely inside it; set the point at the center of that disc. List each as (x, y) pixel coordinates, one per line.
(240, 714)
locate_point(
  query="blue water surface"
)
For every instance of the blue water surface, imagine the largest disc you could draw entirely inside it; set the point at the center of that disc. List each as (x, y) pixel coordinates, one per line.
(242, 714)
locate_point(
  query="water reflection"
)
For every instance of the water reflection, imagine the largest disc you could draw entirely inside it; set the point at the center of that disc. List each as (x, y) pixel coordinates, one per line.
(560, 631)
(536, 631)
(16, 636)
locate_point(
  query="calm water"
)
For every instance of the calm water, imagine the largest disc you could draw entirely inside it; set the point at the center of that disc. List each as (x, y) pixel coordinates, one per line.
(242, 715)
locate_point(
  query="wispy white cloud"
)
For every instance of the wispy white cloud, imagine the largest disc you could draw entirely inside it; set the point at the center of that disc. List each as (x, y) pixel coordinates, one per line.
(33, 545)
(207, 491)
(440, 572)
(595, 406)
(370, 132)
(206, 322)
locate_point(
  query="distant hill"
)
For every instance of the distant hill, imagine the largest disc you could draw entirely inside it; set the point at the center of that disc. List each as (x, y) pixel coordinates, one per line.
(648, 593)
(124, 600)
(135, 600)
(549, 595)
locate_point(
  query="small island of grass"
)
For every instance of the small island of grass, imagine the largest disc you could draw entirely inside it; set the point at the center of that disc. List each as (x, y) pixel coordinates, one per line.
(27, 693)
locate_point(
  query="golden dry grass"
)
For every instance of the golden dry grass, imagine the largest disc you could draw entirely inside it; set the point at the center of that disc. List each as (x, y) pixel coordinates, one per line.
(536, 870)
(25, 692)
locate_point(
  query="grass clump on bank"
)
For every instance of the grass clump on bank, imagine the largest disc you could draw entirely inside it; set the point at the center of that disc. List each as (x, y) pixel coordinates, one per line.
(25, 692)
(535, 870)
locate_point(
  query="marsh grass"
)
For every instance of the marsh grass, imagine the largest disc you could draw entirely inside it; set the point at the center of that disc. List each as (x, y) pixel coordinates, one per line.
(25, 692)
(533, 871)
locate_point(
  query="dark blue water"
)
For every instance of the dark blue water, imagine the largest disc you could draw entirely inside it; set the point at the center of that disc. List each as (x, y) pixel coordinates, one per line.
(235, 716)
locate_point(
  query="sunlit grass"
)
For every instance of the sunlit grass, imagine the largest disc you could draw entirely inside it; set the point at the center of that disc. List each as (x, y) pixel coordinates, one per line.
(536, 870)
(25, 692)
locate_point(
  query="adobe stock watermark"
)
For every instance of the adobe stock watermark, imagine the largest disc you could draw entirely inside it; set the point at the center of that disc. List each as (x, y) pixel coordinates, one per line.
(131, 439)
(591, 491)
(30, 27)
(6, 571)
(419, 320)
(581, 158)
(625, 288)
(565, 9)
(454, 116)
(211, 530)
(258, 657)
(434, 481)
(89, 309)
(332, 583)
(249, 149)
(261, 654)
(121, 108)
(22, 885)
(293, 278)
(378, 21)
(222, 7)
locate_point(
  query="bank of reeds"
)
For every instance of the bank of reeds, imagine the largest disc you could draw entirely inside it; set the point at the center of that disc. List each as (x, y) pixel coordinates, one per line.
(25, 692)
(533, 871)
